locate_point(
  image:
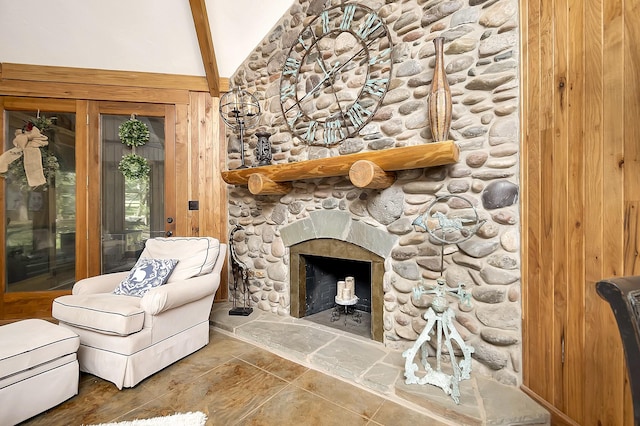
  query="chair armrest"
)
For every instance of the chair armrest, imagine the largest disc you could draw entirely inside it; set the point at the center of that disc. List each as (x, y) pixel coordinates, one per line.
(99, 284)
(172, 295)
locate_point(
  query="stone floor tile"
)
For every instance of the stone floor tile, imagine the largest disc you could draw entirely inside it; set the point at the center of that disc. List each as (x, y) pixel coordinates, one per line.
(296, 406)
(226, 393)
(97, 401)
(391, 413)
(220, 317)
(221, 349)
(433, 399)
(348, 358)
(394, 358)
(278, 366)
(522, 410)
(340, 392)
(297, 340)
(381, 377)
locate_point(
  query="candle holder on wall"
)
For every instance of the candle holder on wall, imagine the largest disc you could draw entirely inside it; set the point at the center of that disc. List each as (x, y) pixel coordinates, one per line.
(263, 149)
(240, 110)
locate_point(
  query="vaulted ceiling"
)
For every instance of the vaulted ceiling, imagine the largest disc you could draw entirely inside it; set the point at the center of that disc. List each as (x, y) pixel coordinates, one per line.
(160, 36)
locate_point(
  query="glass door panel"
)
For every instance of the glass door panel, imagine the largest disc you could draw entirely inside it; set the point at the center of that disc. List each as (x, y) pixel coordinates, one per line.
(132, 209)
(40, 227)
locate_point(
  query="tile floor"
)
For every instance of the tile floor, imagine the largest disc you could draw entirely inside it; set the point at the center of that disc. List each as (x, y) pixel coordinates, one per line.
(234, 383)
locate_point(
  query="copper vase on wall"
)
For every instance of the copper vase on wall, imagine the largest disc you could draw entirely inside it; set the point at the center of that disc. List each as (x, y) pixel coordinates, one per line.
(439, 97)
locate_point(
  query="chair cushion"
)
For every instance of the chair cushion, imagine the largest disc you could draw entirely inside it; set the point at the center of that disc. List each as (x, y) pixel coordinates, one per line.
(196, 255)
(106, 313)
(146, 274)
(29, 343)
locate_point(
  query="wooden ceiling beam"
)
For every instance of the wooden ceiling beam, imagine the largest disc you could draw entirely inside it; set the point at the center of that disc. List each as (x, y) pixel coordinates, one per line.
(203, 31)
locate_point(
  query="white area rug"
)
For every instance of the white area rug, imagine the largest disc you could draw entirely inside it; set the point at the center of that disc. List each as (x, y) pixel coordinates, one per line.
(187, 419)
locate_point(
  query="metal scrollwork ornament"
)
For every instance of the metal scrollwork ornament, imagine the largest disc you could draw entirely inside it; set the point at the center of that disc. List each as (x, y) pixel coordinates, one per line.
(444, 229)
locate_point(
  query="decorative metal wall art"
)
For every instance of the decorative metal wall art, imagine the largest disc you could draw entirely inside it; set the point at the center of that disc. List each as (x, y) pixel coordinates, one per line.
(344, 42)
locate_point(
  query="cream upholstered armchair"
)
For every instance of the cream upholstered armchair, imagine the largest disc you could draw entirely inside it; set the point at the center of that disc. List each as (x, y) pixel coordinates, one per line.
(133, 324)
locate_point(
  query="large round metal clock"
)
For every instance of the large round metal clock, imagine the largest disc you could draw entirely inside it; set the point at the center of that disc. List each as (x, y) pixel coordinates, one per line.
(336, 74)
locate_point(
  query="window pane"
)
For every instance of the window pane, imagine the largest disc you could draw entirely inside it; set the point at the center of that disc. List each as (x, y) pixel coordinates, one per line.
(132, 209)
(41, 224)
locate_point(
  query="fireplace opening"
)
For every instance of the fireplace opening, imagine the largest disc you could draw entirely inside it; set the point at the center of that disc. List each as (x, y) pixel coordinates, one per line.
(322, 276)
(316, 268)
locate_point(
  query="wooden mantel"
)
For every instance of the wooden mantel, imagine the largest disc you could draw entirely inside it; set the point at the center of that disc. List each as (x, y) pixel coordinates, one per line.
(372, 169)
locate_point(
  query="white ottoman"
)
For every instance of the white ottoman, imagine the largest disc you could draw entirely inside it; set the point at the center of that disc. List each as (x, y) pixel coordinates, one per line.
(38, 368)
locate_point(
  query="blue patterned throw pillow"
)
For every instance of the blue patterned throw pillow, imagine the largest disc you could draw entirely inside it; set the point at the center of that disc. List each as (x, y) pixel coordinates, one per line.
(146, 274)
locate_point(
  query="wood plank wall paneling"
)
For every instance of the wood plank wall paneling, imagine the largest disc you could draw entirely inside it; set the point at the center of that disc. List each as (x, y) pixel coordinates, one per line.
(580, 185)
(204, 158)
(575, 333)
(182, 163)
(631, 99)
(197, 113)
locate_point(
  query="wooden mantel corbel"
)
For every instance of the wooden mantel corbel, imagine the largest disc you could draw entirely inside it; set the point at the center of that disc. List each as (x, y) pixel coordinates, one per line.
(372, 169)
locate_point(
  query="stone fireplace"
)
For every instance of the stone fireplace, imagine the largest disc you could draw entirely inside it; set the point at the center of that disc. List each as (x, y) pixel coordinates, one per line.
(481, 56)
(343, 246)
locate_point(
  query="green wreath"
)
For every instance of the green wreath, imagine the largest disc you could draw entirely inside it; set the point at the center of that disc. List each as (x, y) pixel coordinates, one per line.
(134, 167)
(133, 132)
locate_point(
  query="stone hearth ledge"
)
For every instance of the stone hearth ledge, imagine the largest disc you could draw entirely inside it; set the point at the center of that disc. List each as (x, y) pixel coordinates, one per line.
(372, 366)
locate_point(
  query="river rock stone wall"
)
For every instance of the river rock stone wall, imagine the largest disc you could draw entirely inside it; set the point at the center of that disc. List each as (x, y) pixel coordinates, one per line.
(481, 55)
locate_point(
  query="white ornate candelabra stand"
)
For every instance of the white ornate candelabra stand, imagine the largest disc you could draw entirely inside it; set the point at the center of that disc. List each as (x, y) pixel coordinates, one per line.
(439, 315)
(346, 299)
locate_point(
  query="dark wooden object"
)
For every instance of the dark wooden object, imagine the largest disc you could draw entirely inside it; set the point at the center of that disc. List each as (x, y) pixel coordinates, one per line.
(623, 295)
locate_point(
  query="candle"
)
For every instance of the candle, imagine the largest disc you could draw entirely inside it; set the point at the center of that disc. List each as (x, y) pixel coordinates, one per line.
(350, 283)
(347, 294)
(340, 291)
(236, 100)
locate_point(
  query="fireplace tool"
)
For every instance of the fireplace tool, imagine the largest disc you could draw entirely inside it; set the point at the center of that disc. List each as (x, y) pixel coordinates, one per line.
(240, 274)
(445, 230)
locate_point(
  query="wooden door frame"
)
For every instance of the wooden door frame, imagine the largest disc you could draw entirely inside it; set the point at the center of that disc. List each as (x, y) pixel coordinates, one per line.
(20, 305)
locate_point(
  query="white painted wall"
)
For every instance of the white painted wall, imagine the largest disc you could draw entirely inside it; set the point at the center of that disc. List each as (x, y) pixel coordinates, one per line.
(132, 35)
